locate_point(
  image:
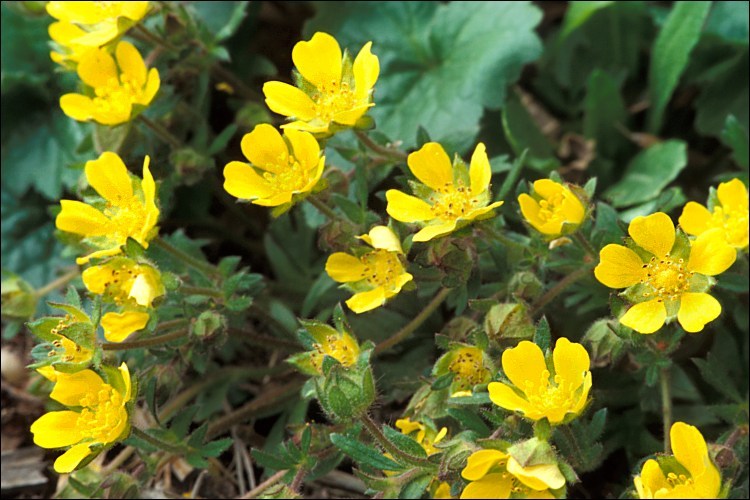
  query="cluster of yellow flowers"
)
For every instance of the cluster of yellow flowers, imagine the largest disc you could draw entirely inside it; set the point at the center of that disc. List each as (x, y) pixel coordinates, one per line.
(666, 271)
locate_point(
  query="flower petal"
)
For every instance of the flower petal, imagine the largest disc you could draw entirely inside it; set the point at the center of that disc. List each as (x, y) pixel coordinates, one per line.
(287, 100)
(646, 317)
(571, 361)
(524, 364)
(480, 462)
(654, 233)
(265, 148)
(71, 388)
(381, 237)
(305, 147)
(547, 188)
(319, 60)
(480, 173)
(695, 218)
(367, 301)
(148, 186)
(406, 208)
(79, 218)
(107, 252)
(584, 396)
(243, 182)
(345, 268)
(710, 254)
(506, 397)
(68, 461)
(733, 195)
(572, 209)
(432, 166)
(134, 10)
(366, 69)
(530, 211)
(619, 267)
(537, 477)
(118, 326)
(696, 310)
(490, 486)
(131, 63)
(97, 68)
(109, 176)
(153, 82)
(96, 278)
(77, 106)
(56, 429)
(433, 231)
(689, 448)
(651, 480)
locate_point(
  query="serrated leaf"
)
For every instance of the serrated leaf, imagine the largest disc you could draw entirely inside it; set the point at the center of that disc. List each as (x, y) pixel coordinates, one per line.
(404, 442)
(271, 461)
(543, 335)
(453, 50)
(363, 454)
(215, 448)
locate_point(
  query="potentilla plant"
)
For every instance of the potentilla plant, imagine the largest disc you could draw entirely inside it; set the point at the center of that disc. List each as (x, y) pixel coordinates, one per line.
(358, 282)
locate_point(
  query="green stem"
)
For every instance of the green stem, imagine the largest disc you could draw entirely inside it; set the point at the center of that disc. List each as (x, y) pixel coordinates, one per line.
(666, 407)
(140, 31)
(57, 283)
(201, 290)
(553, 292)
(189, 260)
(264, 340)
(299, 477)
(586, 245)
(323, 208)
(162, 445)
(163, 134)
(415, 323)
(388, 446)
(377, 148)
(147, 342)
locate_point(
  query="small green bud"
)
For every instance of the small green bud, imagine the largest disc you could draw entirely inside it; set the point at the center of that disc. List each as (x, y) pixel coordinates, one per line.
(18, 299)
(509, 321)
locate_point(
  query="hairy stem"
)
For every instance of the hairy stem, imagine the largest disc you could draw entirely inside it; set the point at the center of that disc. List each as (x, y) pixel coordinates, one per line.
(586, 246)
(666, 407)
(377, 148)
(189, 260)
(258, 490)
(420, 318)
(147, 342)
(57, 283)
(162, 445)
(323, 208)
(556, 290)
(161, 131)
(374, 429)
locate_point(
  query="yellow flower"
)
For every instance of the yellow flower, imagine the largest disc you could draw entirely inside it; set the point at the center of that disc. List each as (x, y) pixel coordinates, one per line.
(425, 436)
(689, 474)
(125, 212)
(443, 490)
(288, 168)
(82, 26)
(468, 365)
(496, 474)
(376, 276)
(537, 393)
(553, 209)
(730, 216)
(117, 95)
(669, 277)
(332, 90)
(101, 420)
(69, 340)
(123, 281)
(341, 346)
(455, 196)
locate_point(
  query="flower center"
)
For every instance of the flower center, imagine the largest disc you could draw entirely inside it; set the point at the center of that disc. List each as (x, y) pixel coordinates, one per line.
(128, 218)
(382, 268)
(544, 396)
(117, 97)
(102, 414)
(119, 285)
(733, 223)
(332, 99)
(667, 277)
(679, 479)
(550, 208)
(468, 369)
(341, 348)
(451, 202)
(288, 176)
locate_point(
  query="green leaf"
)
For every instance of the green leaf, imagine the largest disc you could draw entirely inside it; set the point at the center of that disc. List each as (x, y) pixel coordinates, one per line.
(220, 18)
(364, 454)
(523, 134)
(403, 442)
(648, 173)
(415, 488)
(671, 54)
(432, 56)
(577, 14)
(726, 93)
(729, 21)
(24, 52)
(543, 335)
(604, 110)
(470, 420)
(735, 136)
(270, 461)
(215, 448)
